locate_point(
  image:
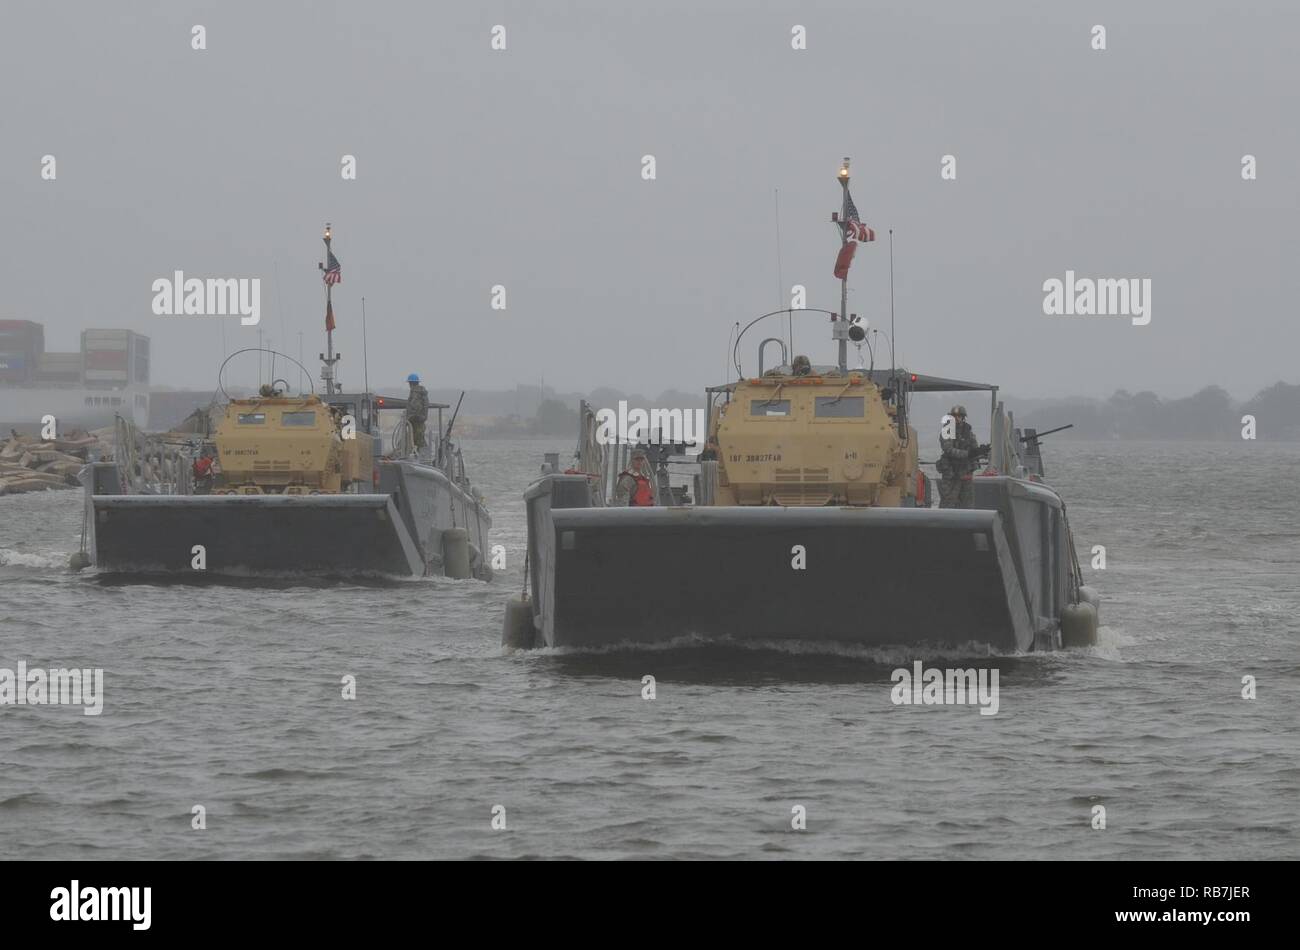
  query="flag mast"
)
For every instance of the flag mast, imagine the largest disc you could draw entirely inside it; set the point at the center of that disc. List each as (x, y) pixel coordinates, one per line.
(330, 276)
(840, 331)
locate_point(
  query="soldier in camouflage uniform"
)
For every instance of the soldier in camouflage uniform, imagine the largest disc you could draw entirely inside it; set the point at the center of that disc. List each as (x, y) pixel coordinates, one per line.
(417, 409)
(957, 463)
(634, 487)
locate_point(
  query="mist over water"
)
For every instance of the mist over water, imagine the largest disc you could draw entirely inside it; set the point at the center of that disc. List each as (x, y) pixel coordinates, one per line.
(227, 695)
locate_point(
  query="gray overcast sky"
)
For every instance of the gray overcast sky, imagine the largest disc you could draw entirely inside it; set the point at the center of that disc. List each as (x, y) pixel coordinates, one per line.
(522, 168)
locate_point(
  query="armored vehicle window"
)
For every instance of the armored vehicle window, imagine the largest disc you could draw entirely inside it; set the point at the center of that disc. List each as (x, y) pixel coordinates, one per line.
(298, 418)
(252, 418)
(841, 407)
(769, 407)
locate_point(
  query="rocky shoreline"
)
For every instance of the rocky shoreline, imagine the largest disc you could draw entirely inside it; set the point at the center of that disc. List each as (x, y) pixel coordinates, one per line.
(28, 463)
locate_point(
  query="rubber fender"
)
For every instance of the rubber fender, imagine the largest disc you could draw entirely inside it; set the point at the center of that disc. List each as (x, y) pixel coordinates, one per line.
(518, 632)
(1079, 625)
(455, 554)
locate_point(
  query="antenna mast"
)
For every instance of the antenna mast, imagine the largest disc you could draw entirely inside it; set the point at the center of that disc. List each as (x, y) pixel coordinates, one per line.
(330, 276)
(365, 352)
(840, 331)
(901, 393)
(893, 370)
(780, 281)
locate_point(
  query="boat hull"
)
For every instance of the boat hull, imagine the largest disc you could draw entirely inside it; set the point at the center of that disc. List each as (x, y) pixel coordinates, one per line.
(865, 576)
(395, 532)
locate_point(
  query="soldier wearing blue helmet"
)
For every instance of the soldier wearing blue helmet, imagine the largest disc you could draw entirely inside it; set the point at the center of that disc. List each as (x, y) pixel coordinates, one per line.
(417, 409)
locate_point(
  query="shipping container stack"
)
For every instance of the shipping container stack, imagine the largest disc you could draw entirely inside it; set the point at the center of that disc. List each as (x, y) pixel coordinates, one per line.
(58, 369)
(22, 343)
(109, 359)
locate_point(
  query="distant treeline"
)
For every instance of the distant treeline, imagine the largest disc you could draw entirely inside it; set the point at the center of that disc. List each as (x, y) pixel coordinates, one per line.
(1210, 414)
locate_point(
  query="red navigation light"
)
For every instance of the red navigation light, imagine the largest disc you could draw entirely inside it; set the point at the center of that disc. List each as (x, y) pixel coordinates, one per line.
(913, 377)
(381, 398)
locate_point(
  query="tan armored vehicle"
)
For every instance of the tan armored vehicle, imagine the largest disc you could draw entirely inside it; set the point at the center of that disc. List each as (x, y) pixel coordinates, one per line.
(824, 438)
(292, 445)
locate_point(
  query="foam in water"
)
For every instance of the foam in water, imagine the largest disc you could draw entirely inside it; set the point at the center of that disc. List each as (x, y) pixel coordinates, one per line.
(885, 655)
(10, 558)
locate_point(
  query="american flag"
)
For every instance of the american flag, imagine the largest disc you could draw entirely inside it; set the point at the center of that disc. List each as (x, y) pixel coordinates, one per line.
(329, 315)
(854, 229)
(333, 272)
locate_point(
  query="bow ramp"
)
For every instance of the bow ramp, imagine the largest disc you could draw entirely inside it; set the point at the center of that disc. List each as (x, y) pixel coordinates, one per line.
(253, 534)
(995, 575)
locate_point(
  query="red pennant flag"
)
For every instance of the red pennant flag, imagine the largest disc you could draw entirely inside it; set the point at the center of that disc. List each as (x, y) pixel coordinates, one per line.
(844, 259)
(329, 316)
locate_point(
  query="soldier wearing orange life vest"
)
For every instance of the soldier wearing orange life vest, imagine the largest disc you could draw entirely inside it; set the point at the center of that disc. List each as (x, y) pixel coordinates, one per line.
(203, 473)
(634, 487)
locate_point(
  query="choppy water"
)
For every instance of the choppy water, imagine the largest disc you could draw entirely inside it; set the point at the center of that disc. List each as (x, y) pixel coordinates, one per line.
(229, 697)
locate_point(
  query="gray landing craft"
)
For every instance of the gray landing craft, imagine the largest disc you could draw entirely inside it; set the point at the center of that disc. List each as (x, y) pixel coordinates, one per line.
(812, 521)
(287, 485)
